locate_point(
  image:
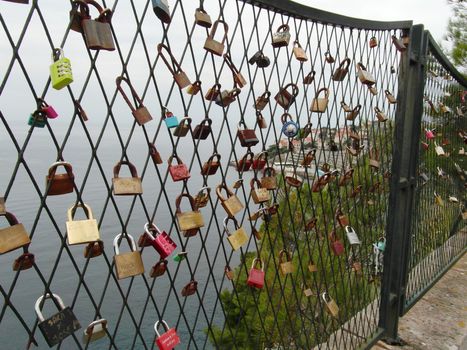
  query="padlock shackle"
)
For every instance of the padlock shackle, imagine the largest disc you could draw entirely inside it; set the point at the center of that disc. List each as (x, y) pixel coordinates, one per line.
(324, 297)
(333, 236)
(361, 67)
(205, 188)
(79, 109)
(284, 117)
(269, 171)
(130, 165)
(311, 75)
(255, 261)
(156, 327)
(211, 159)
(66, 165)
(72, 211)
(346, 62)
(329, 58)
(281, 256)
(374, 154)
(227, 190)
(377, 110)
(37, 306)
(57, 54)
(296, 42)
(90, 329)
(12, 220)
(129, 239)
(226, 221)
(349, 229)
(148, 227)
(326, 92)
(213, 31)
(179, 199)
(118, 81)
(234, 92)
(206, 120)
(161, 47)
(253, 182)
(179, 161)
(262, 155)
(266, 95)
(294, 89)
(283, 28)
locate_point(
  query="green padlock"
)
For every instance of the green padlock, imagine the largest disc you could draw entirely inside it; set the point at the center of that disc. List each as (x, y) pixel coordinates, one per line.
(180, 256)
(60, 71)
(37, 119)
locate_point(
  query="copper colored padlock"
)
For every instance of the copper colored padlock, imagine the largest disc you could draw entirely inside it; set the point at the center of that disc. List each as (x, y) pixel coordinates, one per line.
(260, 161)
(238, 78)
(380, 115)
(398, 43)
(202, 18)
(140, 112)
(190, 288)
(229, 273)
(94, 249)
(309, 157)
(285, 98)
(183, 127)
(97, 32)
(341, 72)
(213, 92)
(60, 183)
(373, 42)
(23, 262)
(226, 97)
(328, 57)
(262, 101)
(353, 113)
(247, 137)
(155, 155)
(159, 268)
(178, 74)
(346, 178)
(212, 164)
(390, 97)
(341, 218)
(298, 52)
(309, 78)
(194, 88)
(262, 124)
(245, 163)
(213, 46)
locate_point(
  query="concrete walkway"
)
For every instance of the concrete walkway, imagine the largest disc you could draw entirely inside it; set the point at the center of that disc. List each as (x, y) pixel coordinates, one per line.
(439, 320)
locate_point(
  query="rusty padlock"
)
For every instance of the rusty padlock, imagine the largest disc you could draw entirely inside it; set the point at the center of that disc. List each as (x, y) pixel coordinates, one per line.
(94, 249)
(178, 74)
(285, 98)
(262, 101)
(227, 97)
(293, 179)
(159, 268)
(260, 161)
(58, 184)
(24, 262)
(309, 157)
(309, 78)
(237, 238)
(140, 112)
(77, 14)
(364, 76)
(373, 155)
(390, 97)
(346, 178)
(202, 18)
(398, 43)
(213, 46)
(97, 32)
(346, 107)
(353, 113)
(341, 218)
(281, 37)
(194, 88)
(180, 171)
(245, 163)
(319, 104)
(238, 78)
(126, 186)
(213, 92)
(229, 273)
(262, 124)
(154, 153)
(231, 204)
(211, 166)
(380, 115)
(259, 194)
(202, 197)
(190, 288)
(298, 52)
(373, 42)
(189, 222)
(183, 127)
(247, 137)
(203, 129)
(341, 72)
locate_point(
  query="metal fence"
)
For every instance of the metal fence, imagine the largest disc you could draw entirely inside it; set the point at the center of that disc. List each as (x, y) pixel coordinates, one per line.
(305, 131)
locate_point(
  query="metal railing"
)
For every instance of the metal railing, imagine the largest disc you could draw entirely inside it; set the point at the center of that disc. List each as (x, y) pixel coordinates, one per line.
(320, 229)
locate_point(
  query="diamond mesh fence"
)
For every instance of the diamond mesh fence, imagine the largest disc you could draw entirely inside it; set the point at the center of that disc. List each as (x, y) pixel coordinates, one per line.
(283, 151)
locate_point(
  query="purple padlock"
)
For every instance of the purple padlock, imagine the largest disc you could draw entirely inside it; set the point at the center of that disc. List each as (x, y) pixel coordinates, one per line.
(48, 110)
(161, 242)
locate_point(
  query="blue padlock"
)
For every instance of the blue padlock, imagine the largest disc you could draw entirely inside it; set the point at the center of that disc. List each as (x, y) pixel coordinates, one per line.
(289, 128)
(37, 119)
(170, 120)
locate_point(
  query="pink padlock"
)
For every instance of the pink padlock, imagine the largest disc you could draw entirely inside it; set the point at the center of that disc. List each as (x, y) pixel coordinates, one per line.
(429, 134)
(48, 110)
(169, 339)
(162, 242)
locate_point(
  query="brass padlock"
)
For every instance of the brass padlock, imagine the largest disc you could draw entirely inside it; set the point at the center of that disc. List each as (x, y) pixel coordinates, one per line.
(81, 231)
(96, 330)
(58, 184)
(183, 127)
(341, 72)
(364, 76)
(239, 237)
(213, 46)
(14, 236)
(211, 166)
(328, 57)
(140, 112)
(213, 92)
(331, 306)
(262, 101)
(126, 186)
(390, 97)
(127, 264)
(312, 267)
(353, 113)
(227, 97)
(438, 200)
(202, 198)
(178, 74)
(259, 194)
(298, 52)
(320, 104)
(380, 115)
(262, 124)
(286, 266)
(231, 204)
(281, 37)
(189, 221)
(2, 206)
(346, 107)
(194, 88)
(238, 78)
(269, 180)
(202, 18)
(97, 32)
(284, 98)
(309, 78)
(61, 74)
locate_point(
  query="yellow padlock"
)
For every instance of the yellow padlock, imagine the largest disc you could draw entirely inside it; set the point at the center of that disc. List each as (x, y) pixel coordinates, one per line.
(238, 238)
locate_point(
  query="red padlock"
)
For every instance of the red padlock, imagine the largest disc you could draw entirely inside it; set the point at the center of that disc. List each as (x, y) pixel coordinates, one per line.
(178, 172)
(260, 161)
(337, 246)
(246, 162)
(161, 242)
(169, 339)
(256, 276)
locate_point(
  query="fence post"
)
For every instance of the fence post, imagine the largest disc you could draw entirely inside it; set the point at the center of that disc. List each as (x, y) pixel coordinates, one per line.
(403, 181)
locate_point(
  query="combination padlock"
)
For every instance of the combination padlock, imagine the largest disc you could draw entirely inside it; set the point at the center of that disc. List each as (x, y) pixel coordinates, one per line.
(61, 74)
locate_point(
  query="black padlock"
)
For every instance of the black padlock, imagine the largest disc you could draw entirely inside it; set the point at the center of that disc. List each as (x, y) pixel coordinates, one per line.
(59, 326)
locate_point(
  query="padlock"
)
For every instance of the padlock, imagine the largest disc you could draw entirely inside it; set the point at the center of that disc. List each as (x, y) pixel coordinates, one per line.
(364, 76)
(260, 161)
(180, 171)
(80, 111)
(309, 157)
(373, 42)
(320, 104)
(190, 288)
(259, 194)
(281, 37)
(346, 178)
(231, 204)
(2, 206)
(154, 153)
(284, 98)
(211, 166)
(202, 18)
(331, 306)
(203, 129)
(464, 214)
(326, 168)
(170, 119)
(398, 43)
(94, 249)
(373, 90)
(262, 101)
(140, 112)
(373, 155)
(289, 127)
(439, 200)
(202, 198)
(213, 92)
(194, 88)
(58, 184)
(255, 275)
(260, 59)
(159, 268)
(262, 124)
(237, 238)
(226, 97)
(127, 264)
(162, 11)
(341, 72)
(309, 78)
(380, 115)
(169, 339)
(81, 231)
(353, 113)
(439, 150)
(393, 70)
(24, 262)
(178, 74)
(97, 32)
(390, 97)
(126, 186)
(183, 127)
(188, 221)
(354, 135)
(424, 177)
(238, 78)
(346, 107)
(312, 267)
(430, 134)
(304, 132)
(77, 14)
(180, 256)
(49, 111)
(286, 266)
(14, 236)
(321, 182)
(269, 180)
(453, 199)
(341, 218)
(258, 235)
(352, 236)
(336, 245)
(213, 46)
(229, 273)
(61, 74)
(328, 57)
(59, 326)
(298, 52)
(96, 330)
(356, 191)
(245, 163)
(247, 137)
(293, 179)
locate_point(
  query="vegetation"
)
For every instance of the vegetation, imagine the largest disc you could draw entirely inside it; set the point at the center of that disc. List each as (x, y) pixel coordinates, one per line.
(457, 33)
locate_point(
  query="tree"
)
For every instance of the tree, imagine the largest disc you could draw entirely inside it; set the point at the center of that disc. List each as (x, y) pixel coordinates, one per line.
(457, 33)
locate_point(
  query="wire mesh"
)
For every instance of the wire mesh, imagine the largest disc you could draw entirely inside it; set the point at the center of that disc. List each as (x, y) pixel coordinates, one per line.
(321, 284)
(438, 234)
